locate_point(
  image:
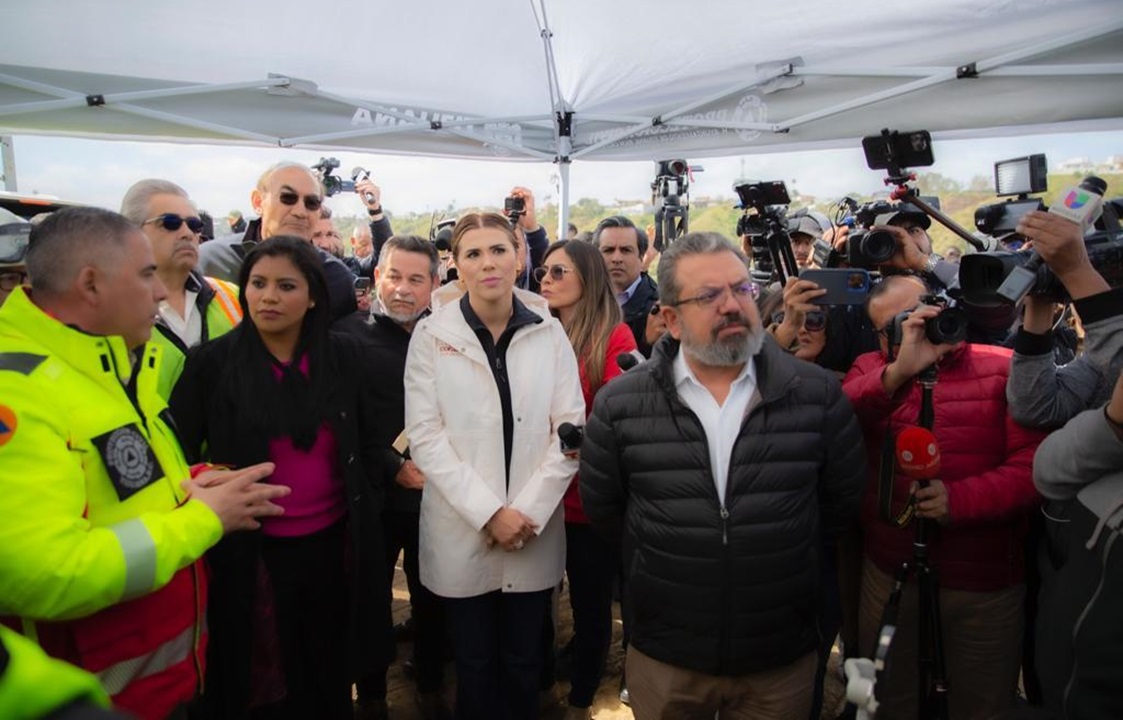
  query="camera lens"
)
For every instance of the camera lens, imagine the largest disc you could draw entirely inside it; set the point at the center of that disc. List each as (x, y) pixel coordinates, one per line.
(878, 246)
(950, 326)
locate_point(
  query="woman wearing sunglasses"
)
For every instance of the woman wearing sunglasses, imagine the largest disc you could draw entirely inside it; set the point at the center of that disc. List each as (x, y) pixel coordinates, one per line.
(489, 379)
(797, 323)
(299, 608)
(576, 285)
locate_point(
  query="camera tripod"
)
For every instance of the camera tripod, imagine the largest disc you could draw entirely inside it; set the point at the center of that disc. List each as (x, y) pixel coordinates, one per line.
(932, 697)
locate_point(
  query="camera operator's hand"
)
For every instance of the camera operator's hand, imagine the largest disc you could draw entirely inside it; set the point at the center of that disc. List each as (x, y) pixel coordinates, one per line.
(915, 352)
(932, 501)
(1038, 314)
(912, 253)
(529, 221)
(371, 196)
(837, 236)
(1060, 242)
(798, 295)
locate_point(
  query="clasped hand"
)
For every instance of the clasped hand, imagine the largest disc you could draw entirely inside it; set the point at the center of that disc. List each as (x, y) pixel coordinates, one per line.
(510, 529)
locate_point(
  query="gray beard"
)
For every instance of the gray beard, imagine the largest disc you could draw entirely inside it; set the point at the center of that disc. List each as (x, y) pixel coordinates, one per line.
(725, 353)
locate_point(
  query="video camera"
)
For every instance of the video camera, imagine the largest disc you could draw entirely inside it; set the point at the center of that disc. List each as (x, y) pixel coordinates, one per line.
(514, 208)
(670, 193)
(334, 185)
(1017, 177)
(766, 227)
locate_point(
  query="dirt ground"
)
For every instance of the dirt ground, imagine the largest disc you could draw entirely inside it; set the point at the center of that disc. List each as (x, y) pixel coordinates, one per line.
(606, 705)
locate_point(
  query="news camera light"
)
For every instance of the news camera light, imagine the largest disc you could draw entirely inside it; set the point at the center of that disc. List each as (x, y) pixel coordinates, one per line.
(1020, 176)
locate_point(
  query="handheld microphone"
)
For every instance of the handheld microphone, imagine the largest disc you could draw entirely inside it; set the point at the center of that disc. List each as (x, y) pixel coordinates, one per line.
(571, 436)
(361, 173)
(1082, 205)
(626, 361)
(918, 454)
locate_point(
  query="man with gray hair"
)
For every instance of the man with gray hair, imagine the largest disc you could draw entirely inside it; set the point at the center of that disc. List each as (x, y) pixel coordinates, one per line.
(719, 467)
(197, 308)
(104, 523)
(287, 198)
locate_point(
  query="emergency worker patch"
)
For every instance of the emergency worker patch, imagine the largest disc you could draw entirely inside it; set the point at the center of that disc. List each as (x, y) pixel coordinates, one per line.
(8, 423)
(128, 459)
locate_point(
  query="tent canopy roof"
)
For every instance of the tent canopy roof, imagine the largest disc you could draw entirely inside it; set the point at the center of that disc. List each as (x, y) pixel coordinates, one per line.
(497, 78)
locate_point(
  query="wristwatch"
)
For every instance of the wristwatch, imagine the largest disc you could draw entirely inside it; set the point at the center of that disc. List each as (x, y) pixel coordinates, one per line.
(374, 211)
(930, 264)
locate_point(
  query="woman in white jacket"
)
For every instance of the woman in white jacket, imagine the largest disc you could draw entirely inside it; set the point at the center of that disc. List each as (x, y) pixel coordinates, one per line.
(489, 379)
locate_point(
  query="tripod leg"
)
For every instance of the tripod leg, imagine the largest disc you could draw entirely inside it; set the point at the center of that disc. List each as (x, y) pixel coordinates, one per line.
(932, 667)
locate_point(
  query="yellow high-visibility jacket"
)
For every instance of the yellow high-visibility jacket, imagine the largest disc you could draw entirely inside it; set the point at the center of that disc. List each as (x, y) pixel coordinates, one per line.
(96, 527)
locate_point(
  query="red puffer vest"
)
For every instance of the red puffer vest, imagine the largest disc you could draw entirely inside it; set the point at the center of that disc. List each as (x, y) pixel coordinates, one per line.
(986, 465)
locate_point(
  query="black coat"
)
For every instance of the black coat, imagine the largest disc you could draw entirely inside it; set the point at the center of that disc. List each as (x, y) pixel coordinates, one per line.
(384, 344)
(735, 594)
(637, 308)
(202, 422)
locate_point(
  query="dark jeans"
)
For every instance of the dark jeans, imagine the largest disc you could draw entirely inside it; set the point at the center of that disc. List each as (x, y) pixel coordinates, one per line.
(590, 564)
(497, 640)
(310, 595)
(401, 533)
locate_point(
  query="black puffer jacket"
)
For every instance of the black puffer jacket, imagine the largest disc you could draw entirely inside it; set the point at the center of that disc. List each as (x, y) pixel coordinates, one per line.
(723, 588)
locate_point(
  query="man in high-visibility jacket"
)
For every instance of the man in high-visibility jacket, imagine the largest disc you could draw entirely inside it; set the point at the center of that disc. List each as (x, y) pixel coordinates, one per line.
(197, 308)
(103, 526)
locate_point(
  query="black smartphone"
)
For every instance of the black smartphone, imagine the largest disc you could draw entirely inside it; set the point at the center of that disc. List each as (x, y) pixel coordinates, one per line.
(898, 149)
(844, 286)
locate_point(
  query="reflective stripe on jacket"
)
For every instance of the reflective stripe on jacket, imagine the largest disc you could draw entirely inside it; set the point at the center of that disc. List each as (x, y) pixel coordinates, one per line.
(99, 544)
(217, 303)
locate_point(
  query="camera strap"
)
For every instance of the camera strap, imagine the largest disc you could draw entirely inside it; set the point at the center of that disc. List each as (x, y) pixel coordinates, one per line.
(887, 470)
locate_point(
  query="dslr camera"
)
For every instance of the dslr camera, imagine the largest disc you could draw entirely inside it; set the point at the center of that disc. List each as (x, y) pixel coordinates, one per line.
(950, 326)
(866, 248)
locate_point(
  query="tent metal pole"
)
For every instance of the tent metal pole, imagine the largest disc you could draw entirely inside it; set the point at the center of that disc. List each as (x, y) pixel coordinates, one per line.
(1056, 70)
(192, 123)
(722, 125)
(80, 100)
(563, 200)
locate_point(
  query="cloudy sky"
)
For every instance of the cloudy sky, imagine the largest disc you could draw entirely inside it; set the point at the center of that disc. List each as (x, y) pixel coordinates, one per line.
(220, 178)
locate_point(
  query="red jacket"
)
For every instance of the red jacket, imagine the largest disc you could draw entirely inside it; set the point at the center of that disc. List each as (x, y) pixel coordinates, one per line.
(986, 465)
(620, 342)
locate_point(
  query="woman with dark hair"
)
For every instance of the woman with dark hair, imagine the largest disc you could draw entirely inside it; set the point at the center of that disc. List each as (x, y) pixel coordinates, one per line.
(489, 379)
(576, 285)
(307, 591)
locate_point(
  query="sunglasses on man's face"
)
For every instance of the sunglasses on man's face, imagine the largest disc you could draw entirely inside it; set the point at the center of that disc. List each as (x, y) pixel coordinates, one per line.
(813, 321)
(556, 272)
(9, 281)
(172, 222)
(312, 203)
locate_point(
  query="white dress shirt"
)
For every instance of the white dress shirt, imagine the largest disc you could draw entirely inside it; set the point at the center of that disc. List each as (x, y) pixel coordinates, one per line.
(189, 329)
(721, 423)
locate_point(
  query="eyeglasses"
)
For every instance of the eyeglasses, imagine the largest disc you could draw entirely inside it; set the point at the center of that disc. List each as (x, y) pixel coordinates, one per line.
(9, 281)
(556, 272)
(172, 222)
(744, 290)
(312, 203)
(813, 321)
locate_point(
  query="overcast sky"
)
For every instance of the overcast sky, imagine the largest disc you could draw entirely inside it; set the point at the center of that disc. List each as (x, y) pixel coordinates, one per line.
(219, 178)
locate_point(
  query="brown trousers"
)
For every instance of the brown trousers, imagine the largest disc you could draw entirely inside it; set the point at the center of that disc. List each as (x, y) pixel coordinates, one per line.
(982, 647)
(665, 692)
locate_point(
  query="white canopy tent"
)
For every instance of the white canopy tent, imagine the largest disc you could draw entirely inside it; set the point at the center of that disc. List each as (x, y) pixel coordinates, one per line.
(559, 80)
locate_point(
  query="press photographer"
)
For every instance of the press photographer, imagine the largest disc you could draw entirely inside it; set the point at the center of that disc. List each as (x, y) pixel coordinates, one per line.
(981, 504)
(519, 208)
(1040, 393)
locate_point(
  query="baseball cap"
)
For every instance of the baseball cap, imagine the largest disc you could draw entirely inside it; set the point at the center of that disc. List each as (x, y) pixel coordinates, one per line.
(806, 226)
(908, 211)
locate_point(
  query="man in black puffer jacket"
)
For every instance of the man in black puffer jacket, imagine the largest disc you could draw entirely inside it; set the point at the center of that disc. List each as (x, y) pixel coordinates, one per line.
(720, 470)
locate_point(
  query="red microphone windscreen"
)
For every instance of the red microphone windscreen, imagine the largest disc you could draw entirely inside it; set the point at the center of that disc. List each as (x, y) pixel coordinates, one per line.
(918, 455)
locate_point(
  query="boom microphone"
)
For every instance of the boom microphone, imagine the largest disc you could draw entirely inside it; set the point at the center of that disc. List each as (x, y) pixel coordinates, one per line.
(918, 454)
